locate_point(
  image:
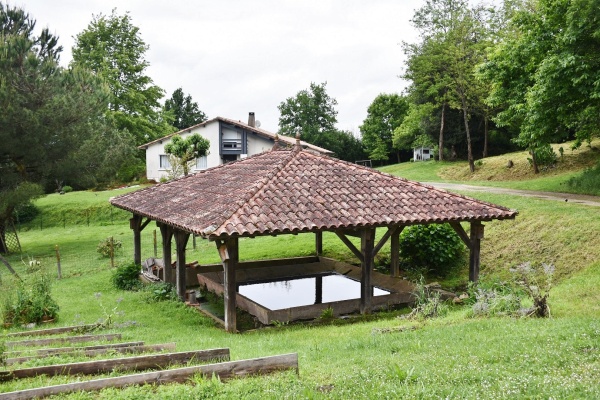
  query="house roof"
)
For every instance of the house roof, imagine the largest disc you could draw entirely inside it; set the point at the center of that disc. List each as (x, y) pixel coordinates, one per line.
(291, 191)
(261, 132)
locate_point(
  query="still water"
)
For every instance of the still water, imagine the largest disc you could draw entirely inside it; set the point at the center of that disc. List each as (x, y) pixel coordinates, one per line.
(302, 292)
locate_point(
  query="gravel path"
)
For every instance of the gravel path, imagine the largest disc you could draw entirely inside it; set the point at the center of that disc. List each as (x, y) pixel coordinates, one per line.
(564, 197)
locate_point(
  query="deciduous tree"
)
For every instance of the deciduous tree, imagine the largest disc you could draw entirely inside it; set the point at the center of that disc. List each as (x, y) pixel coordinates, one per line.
(384, 115)
(454, 37)
(545, 73)
(311, 113)
(112, 47)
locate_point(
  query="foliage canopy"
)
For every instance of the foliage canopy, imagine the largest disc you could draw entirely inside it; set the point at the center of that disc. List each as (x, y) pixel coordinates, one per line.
(185, 111)
(112, 47)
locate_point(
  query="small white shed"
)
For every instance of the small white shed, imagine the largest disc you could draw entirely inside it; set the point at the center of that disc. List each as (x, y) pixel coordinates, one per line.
(422, 153)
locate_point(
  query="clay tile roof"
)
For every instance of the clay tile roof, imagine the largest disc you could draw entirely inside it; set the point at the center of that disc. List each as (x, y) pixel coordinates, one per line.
(290, 191)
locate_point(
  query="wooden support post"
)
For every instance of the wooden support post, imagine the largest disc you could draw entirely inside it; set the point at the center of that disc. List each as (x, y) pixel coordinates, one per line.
(134, 224)
(367, 245)
(395, 253)
(154, 243)
(58, 260)
(318, 289)
(230, 257)
(181, 239)
(475, 250)
(166, 233)
(319, 243)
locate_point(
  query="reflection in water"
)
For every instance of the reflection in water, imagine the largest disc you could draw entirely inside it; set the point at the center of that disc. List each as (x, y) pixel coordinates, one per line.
(302, 292)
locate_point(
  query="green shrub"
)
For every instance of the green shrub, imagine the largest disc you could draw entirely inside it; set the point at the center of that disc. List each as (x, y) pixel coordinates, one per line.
(26, 212)
(30, 302)
(104, 247)
(327, 314)
(544, 156)
(161, 291)
(536, 281)
(67, 189)
(2, 353)
(494, 299)
(127, 277)
(431, 249)
(428, 303)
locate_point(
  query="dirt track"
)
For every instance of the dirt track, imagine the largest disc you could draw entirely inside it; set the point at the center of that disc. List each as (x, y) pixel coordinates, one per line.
(564, 197)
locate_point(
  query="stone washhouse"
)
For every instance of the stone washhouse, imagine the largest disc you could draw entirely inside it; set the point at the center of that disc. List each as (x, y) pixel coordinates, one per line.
(294, 191)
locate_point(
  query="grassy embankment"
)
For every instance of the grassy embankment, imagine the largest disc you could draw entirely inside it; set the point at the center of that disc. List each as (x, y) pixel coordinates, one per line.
(452, 357)
(493, 171)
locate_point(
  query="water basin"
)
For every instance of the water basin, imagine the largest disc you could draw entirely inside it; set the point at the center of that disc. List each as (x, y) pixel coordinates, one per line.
(278, 295)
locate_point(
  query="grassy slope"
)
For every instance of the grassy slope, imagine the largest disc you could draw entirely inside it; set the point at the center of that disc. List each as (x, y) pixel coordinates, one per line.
(493, 171)
(453, 357)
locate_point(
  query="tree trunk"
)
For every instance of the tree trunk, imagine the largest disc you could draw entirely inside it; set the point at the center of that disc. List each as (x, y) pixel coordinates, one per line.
(466, 118)
(3, 249)
(441, 141)
(485, 136)
(536, 170)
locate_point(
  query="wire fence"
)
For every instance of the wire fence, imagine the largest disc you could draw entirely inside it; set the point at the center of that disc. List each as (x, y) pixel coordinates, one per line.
(96, 215)
(66, 260)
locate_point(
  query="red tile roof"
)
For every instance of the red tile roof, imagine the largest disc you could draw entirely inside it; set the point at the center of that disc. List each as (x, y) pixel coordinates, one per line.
(290, 191)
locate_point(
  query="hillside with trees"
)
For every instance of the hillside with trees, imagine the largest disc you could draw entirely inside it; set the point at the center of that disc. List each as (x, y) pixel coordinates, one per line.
(485, 80)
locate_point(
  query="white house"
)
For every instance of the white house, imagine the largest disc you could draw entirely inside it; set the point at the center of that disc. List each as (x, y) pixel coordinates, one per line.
(229, 141)
(422, 153)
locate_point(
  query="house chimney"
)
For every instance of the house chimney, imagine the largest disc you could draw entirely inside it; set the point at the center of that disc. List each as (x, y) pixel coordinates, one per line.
(251, 120)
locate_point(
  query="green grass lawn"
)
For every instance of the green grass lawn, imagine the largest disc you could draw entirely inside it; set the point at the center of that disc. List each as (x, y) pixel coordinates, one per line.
(451, 357)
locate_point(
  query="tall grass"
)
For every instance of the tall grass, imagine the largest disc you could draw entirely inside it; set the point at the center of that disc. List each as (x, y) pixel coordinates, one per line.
(587, 183)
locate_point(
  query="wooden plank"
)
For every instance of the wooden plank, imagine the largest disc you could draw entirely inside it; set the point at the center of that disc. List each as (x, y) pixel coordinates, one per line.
(256, 366)
(54, 331)
(95, 352)
(138, 363)
(59, 350)
(69, 339)
(252, 264)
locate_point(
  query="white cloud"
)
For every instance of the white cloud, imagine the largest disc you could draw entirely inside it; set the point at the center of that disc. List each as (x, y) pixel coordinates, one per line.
(237, 56)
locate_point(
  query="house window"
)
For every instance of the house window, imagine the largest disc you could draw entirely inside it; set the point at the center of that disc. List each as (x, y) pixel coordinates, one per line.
(164, 162)
(201, 162)
(232, 140)
(425, 151)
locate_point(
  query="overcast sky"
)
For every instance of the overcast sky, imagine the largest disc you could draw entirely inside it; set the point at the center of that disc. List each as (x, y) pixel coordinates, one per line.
(236, 56)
